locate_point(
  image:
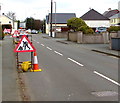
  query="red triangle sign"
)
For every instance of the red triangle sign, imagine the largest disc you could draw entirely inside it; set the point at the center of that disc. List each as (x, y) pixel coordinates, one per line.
(24, 45)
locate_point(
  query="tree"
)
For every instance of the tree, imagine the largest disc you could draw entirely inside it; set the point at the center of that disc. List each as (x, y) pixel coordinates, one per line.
(75, 23)
(11, 15)
(30, 22)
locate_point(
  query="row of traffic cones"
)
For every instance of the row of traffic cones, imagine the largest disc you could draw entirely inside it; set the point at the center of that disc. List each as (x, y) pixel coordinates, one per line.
(35, 64)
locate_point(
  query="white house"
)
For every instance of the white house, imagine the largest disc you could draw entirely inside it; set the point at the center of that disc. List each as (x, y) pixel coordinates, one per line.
(7, 22)
(94, 19)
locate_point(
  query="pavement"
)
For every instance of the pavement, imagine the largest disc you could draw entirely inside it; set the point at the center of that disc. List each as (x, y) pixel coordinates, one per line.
(101, 48)
(10, 90)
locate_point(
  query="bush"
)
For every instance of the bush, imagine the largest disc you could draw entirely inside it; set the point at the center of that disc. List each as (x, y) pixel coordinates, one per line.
(75, 23)
(114, 29)
(86, 30)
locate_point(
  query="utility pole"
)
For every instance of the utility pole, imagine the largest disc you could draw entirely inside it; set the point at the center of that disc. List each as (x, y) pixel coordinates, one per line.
(51, 18)
(55, 16)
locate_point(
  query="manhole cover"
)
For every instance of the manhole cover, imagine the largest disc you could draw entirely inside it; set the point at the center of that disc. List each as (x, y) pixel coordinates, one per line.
(105, 93)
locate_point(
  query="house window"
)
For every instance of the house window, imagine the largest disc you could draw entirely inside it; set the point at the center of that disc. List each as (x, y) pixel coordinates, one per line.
(9, 21)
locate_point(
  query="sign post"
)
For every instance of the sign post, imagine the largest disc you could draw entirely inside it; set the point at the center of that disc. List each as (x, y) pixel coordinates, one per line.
(25, 45)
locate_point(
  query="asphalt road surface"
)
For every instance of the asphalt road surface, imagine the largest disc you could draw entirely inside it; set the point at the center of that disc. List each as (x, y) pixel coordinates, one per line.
(71, 73)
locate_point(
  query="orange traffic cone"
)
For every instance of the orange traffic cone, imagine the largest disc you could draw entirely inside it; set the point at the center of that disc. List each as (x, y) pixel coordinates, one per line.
(35, 64)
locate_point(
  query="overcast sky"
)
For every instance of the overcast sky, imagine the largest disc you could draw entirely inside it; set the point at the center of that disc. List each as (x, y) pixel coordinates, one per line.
(38, 9)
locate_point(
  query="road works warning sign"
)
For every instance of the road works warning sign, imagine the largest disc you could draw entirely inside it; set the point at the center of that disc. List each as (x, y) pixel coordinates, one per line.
(24, 45)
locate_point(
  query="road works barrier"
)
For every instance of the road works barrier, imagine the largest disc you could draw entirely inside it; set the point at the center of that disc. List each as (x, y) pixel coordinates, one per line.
(35, 64)
(25, 45)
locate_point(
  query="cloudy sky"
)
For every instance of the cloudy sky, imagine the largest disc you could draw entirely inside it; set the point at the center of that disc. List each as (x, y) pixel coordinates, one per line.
(40, 8)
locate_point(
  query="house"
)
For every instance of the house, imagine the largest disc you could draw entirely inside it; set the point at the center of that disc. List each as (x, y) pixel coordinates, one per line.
(7, 22)
(110, 12)
(94, 19)
(59, 21)
(115, 19)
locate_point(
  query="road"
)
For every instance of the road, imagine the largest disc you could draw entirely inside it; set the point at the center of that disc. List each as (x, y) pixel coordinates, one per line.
(71, 73)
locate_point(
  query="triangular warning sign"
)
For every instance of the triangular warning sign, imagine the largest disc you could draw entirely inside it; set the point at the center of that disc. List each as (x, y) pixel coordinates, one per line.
(24, 45)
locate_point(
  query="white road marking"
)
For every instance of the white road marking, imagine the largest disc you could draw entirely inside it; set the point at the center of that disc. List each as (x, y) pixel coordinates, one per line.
(105, 77)
(58, 53)
(49, 48)
(42, 45)
(76, 62)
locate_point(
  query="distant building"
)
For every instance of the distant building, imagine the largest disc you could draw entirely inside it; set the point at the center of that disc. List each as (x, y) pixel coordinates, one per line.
(59, 21)
(7, 22)
(119, 5)
(110, 12)
(94, 19)
(115, 19)
(22, 25)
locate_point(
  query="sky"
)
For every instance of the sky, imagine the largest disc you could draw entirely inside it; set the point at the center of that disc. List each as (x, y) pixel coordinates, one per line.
(38, 9)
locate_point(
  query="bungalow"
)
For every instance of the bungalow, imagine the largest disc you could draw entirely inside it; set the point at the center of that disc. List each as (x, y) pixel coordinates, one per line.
(94, 19)
(7, 22)
(59, 21)
(115, 19)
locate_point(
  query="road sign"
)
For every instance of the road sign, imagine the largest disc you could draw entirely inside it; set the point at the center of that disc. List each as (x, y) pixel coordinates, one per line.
(24, 45)
(15, 34)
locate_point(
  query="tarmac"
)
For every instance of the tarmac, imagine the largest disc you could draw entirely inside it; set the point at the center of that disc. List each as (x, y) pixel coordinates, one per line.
(10, 88)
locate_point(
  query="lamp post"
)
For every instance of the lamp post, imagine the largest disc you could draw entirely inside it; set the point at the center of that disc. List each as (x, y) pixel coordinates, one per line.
(51, 18)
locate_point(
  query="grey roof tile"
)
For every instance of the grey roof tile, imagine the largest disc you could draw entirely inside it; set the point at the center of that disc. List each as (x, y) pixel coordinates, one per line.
(110, 13)
(60, 17)
(93, 15)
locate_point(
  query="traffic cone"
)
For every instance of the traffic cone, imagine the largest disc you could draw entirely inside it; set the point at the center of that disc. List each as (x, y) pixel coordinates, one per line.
(35, 64)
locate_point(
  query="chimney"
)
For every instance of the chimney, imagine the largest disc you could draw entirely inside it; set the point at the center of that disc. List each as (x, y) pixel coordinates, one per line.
(109, 9)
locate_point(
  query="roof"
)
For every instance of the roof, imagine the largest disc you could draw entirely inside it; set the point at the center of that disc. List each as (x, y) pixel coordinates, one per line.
(93, 15)
(60, 18)
(110, 13)
(7, 17)
(115, 16)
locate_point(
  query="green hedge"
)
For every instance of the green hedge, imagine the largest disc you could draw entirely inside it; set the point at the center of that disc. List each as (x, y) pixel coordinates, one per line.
(114, 29)
(86, 30)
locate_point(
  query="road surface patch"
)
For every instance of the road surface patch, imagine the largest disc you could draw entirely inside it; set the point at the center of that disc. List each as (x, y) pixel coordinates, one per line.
(105, 93)
(76, 62)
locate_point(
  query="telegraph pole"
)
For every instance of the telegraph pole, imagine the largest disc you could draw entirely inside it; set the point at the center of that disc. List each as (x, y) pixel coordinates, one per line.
(51, 18)
(55, 16)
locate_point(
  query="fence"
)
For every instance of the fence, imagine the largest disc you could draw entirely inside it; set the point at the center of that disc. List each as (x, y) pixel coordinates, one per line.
(79, 37)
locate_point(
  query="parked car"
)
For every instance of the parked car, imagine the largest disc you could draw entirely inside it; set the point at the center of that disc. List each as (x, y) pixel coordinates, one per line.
(100, 29)
(34, 32)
